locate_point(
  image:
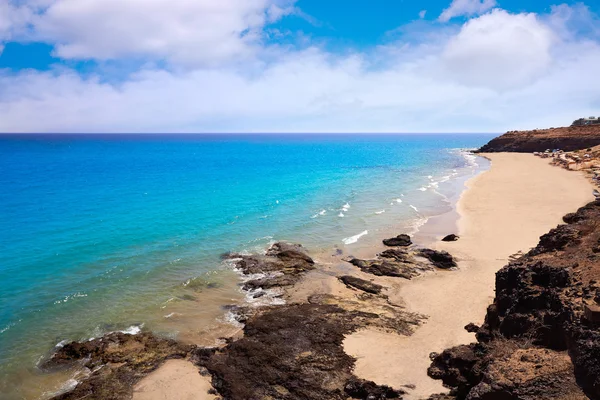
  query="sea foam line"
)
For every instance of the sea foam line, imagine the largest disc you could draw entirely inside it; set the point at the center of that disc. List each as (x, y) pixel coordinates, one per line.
(354, 239)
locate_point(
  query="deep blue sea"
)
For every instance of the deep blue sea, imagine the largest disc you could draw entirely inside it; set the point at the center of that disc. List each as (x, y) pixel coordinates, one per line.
(104, 232)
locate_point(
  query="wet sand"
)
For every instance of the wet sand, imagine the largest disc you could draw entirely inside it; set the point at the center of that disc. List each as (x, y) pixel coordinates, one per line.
(503, 211)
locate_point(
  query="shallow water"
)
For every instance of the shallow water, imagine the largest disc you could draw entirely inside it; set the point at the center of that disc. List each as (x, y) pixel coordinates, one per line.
(104, 233)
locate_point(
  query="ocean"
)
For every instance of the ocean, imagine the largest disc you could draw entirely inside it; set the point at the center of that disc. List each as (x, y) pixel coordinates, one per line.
(125, 232)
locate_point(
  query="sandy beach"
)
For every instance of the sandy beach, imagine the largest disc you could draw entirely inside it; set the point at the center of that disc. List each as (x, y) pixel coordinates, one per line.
(503, 211)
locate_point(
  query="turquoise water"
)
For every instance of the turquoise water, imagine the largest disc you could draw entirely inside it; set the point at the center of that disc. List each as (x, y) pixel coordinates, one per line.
(100, 233)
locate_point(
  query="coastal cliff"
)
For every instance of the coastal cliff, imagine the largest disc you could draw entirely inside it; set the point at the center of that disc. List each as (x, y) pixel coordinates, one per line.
(541, 336)
(567, 139)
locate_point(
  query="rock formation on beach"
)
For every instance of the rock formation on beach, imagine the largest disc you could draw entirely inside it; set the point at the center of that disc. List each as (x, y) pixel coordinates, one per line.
(567, 139)
(291, 351)
(541, 336)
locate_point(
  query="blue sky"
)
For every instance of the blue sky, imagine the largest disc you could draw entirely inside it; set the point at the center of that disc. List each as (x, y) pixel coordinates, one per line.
(296, 66)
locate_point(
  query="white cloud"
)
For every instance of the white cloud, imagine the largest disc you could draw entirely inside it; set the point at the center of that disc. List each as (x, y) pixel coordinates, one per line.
(460, 8)
(497, 72)
(189, 32)
(500, 50)
(13, 21)
(422, 14)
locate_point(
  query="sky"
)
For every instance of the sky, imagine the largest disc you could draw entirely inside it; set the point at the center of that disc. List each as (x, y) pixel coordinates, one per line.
(381, 66)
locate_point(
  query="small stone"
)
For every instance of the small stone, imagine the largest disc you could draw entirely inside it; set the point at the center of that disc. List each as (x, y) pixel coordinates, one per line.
(450, 238)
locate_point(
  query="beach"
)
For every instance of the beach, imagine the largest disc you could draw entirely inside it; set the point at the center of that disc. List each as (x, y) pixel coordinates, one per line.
(503, 211)
(376, 321)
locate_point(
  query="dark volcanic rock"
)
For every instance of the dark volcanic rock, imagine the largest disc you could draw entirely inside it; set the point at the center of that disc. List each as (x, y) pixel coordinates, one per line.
(567, 139)
(400, 240)
(118, 360)
(441, 259)
(398, 255)
(293, 352)
(361, 284)
(537, 341)
(451, 238)
(283, 264)
(385, 268)
(361, 389)
(392, 262)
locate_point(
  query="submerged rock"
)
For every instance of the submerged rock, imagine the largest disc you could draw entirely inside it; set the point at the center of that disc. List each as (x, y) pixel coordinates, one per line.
(441, 259)
(400, 240)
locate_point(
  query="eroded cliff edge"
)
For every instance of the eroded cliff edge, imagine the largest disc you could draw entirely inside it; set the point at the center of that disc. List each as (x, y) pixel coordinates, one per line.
(541, 336)
(567, 139)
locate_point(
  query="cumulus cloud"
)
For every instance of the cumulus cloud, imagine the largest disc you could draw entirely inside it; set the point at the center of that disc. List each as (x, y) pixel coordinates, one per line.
(496, 72)
(13, 21)
(500, 50)
(460, 8)
(189, 32)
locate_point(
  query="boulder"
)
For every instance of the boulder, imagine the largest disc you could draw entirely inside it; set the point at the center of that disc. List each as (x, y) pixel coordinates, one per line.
(441, 259)
(361, 284)
(400, 240)
(451, 238)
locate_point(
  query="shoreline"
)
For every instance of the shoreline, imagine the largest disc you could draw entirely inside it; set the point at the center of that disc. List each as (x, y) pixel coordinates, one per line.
(419, 334)
(487, 240)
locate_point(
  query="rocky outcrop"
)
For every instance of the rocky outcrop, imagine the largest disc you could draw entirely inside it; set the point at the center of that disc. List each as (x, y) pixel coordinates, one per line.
(539, 339)
(441, 259)
(567, 139)
(282, 265)
(392, 262)
(293, 352)
(115, 363)
(398, 241)
(288, 352)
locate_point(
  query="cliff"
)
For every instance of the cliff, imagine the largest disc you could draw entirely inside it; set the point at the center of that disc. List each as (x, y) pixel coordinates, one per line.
(567, 139)
(541, 336)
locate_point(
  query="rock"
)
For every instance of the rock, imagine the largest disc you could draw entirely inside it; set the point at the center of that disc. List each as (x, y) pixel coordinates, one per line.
(397, 254)
(441, 259)
(361, 284)
(361, 389)
(541, 336)
(567, 139)
(293, 352)
(118, 360)
(471, 328)
(451, 238)
(400, 240)
(592, 313)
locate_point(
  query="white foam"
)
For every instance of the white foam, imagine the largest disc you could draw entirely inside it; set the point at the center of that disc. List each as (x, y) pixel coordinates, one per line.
(341, 215)
(70, 297)
(133, 329)
(430, 177)
(413, 207)
(354, 239)
(322, 212)
(346, 207)
(399, 200)
(173, 314)
(422, 189)
(379, 212)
